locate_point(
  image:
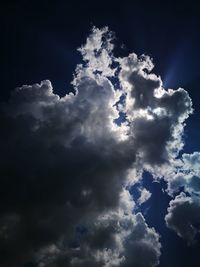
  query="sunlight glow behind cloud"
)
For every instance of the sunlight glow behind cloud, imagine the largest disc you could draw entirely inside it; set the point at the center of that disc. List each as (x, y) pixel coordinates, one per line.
(71, 166)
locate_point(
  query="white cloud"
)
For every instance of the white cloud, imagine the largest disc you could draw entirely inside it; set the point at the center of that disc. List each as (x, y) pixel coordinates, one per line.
(144, 195)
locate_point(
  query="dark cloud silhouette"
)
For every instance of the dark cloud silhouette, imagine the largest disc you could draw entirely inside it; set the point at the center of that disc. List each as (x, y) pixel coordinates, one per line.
(67, 166)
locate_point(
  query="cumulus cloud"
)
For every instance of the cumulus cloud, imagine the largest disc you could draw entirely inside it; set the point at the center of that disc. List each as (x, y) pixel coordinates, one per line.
(67, 163)
(183, 212)
(187, 174)
(184, 216)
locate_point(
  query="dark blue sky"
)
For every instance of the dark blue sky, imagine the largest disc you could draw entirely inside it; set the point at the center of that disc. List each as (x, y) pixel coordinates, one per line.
(39, 41)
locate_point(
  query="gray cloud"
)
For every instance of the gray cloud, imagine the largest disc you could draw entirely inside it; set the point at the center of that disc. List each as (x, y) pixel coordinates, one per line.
(184, 216)
(183, 212)
(67, 166)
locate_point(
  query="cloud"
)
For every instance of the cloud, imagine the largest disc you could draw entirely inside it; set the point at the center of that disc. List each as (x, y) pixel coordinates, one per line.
(183, 212)
(113, 240)
(144, 195)
(143, 241)
(187, 174)
(154, 113)
(184, 216)
(67, 166)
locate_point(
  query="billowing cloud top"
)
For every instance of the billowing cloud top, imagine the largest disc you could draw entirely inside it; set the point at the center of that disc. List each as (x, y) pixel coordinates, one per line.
(68, 164)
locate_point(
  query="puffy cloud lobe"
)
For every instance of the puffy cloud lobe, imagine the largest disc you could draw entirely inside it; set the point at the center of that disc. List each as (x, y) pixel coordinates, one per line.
(184, 216)
(154, 113)
(191, 163)
(114, 240)
(59, 174)
(183, 212)
(67, 165)
(142, 241)
(97, 52)
(187, 174)
(190, 168)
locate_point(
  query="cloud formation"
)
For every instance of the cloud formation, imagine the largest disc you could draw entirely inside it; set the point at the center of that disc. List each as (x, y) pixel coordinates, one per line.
(184, 216)
(67, 163)
(183, 212)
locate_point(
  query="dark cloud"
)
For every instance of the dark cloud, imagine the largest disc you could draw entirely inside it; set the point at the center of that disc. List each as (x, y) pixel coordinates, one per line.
(66, 165)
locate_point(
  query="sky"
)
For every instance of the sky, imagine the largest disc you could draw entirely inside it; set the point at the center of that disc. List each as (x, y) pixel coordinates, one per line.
(100, 148)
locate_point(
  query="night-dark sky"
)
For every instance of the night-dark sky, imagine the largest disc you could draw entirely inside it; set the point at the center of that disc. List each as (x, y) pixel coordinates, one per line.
(39, 41)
